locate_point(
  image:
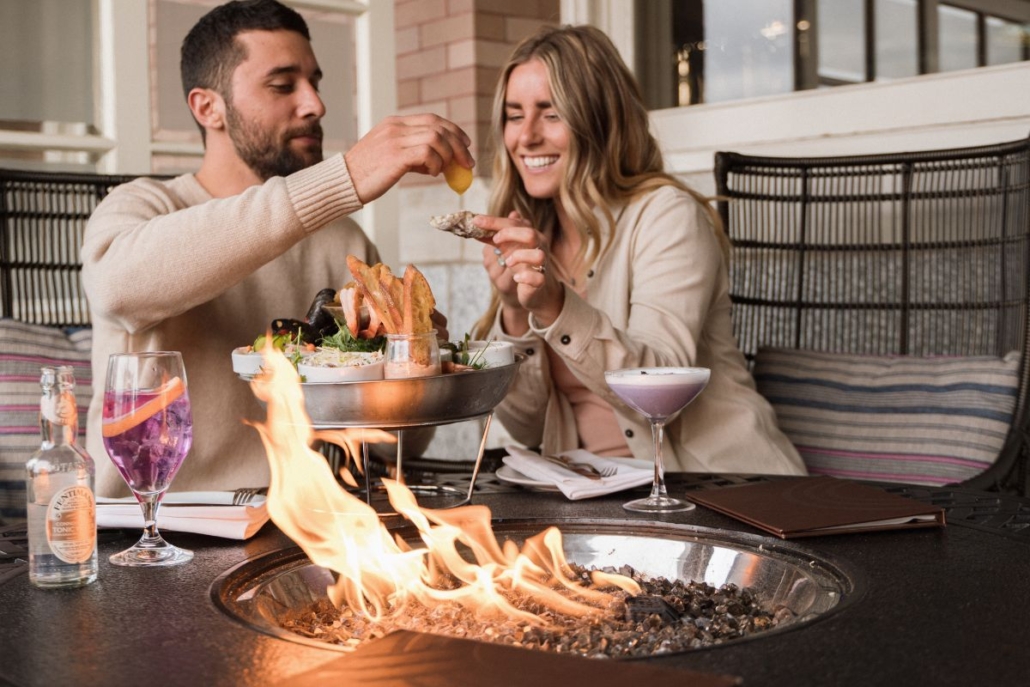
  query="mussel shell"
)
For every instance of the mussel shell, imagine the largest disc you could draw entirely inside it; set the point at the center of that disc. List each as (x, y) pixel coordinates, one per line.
(316, 316)
(317, 325)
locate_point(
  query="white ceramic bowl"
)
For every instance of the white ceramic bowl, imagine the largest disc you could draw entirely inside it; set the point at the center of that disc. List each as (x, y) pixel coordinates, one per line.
(345, 367)
(492, 353)
(246, 361)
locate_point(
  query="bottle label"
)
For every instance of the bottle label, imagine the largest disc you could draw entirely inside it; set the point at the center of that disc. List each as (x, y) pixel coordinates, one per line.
(71, 524)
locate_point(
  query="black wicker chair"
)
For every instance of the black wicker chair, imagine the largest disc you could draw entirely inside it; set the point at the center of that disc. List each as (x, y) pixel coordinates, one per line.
(42, 219)
(923, 254)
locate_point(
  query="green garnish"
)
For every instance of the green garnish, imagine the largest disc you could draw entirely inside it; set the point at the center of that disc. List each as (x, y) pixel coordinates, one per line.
(298, 345)
(345, 341)
(280, 341)
(463, 357)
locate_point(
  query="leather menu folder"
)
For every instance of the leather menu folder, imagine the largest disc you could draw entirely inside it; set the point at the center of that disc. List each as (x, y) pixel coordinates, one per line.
(811, 506)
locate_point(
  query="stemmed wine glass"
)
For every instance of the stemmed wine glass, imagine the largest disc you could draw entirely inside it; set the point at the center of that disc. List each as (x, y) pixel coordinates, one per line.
(658, 393)
(148, 430)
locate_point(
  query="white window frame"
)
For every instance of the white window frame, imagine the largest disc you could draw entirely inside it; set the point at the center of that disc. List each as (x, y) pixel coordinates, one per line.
(617, 18)
(123, 116)
(972, 107)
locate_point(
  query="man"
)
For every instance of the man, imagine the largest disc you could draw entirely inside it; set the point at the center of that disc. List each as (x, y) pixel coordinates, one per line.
(202, 263)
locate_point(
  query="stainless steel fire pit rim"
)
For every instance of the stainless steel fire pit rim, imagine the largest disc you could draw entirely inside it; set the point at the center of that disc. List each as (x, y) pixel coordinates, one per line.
(258, 590)
(830, 573)
(852, 581)
(671, 530)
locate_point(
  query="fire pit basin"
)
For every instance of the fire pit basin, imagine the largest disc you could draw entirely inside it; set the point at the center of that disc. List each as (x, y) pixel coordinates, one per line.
(262, 591)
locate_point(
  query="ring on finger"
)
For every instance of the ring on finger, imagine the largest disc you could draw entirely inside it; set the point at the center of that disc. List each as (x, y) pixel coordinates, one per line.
(539, 268)
(497, 251)
(501, 261)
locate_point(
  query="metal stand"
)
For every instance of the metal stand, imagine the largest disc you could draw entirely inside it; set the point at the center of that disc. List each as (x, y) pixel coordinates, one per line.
(435, 490)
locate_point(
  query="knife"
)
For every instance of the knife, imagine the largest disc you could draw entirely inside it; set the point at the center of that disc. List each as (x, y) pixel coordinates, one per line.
(583, 469)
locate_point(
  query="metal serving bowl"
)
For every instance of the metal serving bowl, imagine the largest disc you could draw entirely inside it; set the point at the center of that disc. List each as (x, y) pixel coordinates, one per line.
(415, 402)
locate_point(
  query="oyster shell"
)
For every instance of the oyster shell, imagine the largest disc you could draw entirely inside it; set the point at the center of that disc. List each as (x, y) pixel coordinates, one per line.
(459, 224)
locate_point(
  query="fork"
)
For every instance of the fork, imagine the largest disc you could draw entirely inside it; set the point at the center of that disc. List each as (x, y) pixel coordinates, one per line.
(245, 495)
(584, 469)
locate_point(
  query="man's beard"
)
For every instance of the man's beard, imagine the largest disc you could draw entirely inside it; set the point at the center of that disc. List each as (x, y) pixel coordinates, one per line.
(263, 153)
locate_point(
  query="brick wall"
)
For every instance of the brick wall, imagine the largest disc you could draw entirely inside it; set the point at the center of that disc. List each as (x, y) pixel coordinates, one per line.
(449, 55)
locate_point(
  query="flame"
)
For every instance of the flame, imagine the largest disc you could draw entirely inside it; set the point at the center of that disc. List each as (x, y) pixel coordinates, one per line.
(378, 574)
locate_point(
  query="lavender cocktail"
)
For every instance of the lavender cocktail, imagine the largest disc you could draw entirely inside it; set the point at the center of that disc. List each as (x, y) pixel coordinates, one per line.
(658, 393)
(148, 430)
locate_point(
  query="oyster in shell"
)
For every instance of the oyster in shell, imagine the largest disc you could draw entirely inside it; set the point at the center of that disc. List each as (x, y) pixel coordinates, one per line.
(459, 224)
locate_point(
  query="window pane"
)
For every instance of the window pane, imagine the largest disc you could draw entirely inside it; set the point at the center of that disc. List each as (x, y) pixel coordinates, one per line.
(841, 25)
(47, 56)
(957, 38)
(170, 24)
(897, 47)
(332, 37)
(749, 49)
(1005, 41)
(688, 37)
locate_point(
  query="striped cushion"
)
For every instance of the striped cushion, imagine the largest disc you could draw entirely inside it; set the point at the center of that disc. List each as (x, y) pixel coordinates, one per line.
(24, 348)
(926, 421)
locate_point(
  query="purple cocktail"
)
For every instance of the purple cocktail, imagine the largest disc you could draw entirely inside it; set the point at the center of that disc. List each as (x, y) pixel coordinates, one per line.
(149, 454)
(148, 430)
(658, 393)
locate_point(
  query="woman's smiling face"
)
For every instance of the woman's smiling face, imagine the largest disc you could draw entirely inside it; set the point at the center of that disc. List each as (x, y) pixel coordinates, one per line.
(535, 136)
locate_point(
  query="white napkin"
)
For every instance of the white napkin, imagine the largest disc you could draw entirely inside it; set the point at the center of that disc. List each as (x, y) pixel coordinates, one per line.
(207, 512)
(630, 473)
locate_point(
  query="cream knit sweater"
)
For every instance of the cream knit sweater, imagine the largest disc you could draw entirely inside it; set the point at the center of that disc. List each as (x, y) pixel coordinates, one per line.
(166, 267)
(658, 296)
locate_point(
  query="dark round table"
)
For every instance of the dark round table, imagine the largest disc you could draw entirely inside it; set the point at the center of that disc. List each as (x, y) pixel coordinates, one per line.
(941, 606)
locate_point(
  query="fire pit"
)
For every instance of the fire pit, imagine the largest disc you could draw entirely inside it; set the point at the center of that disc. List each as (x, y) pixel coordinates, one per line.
(786, 581)
(618, 590)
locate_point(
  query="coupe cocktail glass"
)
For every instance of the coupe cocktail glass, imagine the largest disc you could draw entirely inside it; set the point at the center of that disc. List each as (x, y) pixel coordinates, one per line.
(148, 430)
(658, 393)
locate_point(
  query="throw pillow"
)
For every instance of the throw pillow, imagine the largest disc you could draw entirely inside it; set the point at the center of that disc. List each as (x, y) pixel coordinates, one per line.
(931, 421)
(24, 349)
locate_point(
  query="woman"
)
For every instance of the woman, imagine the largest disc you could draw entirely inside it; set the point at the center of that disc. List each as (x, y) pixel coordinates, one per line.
(600, 260)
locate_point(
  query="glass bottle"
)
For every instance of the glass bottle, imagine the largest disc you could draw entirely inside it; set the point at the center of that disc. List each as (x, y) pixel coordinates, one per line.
(60, 476)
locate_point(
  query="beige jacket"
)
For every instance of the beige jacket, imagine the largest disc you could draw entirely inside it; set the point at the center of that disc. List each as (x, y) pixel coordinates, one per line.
(166, 267)
(658, 296)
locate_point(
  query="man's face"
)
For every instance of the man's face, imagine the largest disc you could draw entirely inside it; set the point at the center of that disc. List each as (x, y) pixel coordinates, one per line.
(274, 112)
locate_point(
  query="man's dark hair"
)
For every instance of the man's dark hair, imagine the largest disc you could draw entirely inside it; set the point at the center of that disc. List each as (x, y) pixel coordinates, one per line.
(210, 52)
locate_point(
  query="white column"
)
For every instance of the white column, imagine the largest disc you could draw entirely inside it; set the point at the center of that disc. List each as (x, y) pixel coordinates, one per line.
(377, 99)
(123, 64)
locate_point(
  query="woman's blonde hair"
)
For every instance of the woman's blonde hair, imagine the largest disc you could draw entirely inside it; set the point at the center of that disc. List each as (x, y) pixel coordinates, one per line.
(612, 156)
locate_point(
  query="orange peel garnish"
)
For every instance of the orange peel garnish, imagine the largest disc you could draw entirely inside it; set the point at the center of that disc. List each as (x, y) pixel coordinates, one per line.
(166, 395)
(458, 178)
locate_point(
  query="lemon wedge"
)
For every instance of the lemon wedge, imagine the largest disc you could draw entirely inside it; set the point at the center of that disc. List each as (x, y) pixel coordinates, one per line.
(458, 178)
(166, 395)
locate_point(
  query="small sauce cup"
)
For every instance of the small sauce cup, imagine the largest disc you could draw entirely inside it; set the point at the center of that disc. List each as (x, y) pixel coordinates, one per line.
(412, 355)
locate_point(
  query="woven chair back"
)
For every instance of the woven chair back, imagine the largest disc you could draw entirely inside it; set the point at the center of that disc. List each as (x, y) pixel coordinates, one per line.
(43, 218)
(924, 253)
